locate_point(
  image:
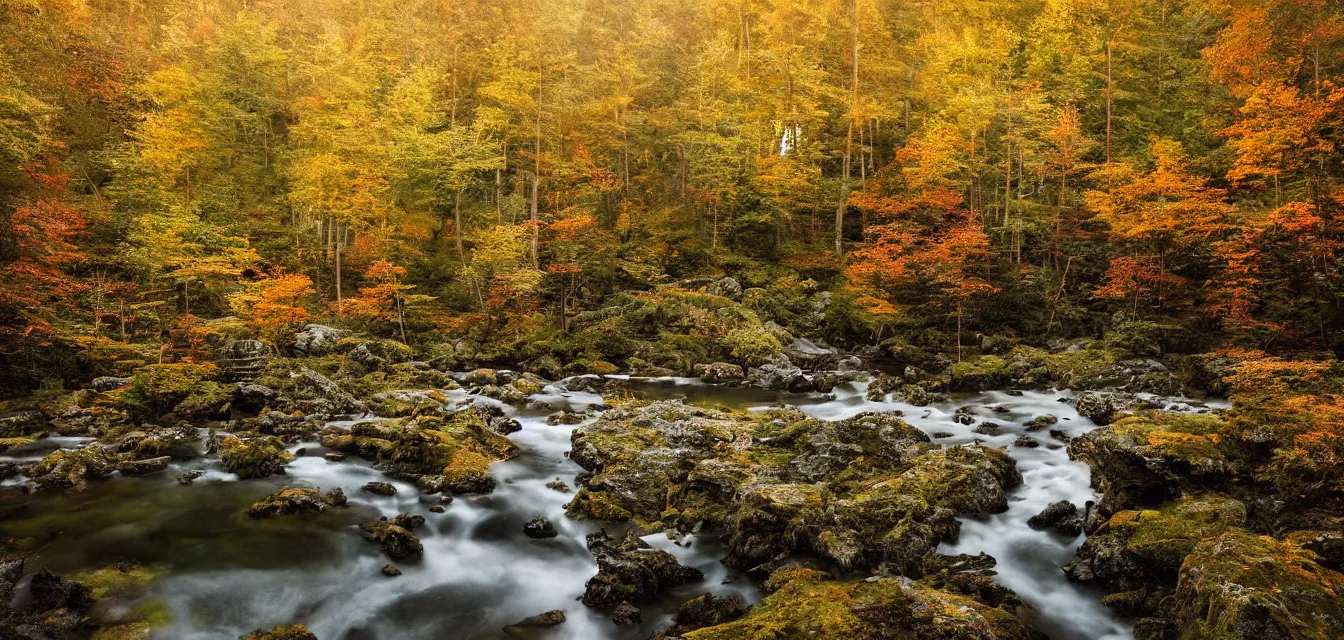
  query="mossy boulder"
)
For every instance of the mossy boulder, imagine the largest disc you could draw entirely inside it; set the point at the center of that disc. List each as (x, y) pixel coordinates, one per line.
(73, 468)
(296, 500)
(980, 374)
(158, 388)
(294, 632)
(207, 401)
(807, 604)
(396, 540)
(719, 372)
(255, 458)
(126, 580)
(629, 570)
(1145, 549)
(452, 453)
(1152, 457)
(1241, 586)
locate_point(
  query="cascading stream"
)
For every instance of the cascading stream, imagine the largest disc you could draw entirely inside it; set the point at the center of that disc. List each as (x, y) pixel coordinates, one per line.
(226, 574)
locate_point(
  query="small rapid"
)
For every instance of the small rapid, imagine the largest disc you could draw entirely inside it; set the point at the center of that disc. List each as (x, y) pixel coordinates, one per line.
(224, 574)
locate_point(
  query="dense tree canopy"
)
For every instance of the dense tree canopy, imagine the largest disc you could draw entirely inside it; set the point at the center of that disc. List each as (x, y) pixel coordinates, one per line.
(1030, 166)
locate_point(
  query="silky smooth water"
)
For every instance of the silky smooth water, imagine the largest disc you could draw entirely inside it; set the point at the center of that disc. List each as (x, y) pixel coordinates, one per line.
(224, 574)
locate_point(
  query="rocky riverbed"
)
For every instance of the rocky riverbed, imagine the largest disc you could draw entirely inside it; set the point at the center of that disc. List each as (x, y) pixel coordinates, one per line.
(408, 502)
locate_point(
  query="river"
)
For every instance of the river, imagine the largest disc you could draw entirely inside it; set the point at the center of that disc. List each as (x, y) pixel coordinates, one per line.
(224, 574)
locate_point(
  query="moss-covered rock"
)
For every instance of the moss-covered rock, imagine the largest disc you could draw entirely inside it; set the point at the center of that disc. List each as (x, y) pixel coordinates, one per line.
(806, 604)
(73, 468)
(1150, 458)
(629, 570)
(1240, 586)
(452, 453)
(396, 540)
(207, 401)
(295, 500)
(295, 632)
(255, 458)
(859, 492)
(1145, 549)
(158, 388)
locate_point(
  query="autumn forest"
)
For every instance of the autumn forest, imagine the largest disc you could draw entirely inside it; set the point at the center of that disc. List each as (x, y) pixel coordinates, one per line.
(230, 229)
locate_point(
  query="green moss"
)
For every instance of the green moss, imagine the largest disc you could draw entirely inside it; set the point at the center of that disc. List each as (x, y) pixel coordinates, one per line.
(129, 631)
(1186, 438)
(206, 400)
(13, 443)
(256, 458)
(806, 605)
(295, 632)
(1161, 539)
(157, 388)
(121, 581)
(456, 449)
(595, 505)
(1241, 586)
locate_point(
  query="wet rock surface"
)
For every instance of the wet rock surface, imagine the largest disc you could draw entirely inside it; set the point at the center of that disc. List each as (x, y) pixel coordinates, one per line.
(629, 570)
(864, 492)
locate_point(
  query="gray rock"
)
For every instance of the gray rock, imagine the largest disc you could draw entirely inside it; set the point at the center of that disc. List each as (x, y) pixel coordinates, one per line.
(1062, 516)
(103, 384)
(719, 372)
(318, 340)
(546, 620)
(726, 287)
(779, 374)
(144, 467)
(319, 387)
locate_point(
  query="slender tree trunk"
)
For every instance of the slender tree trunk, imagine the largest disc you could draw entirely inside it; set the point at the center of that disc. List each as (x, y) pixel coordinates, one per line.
(457, 224)
(499, 184)
(1110, 92)
(536, 174)
(338, 269)
(849, 138)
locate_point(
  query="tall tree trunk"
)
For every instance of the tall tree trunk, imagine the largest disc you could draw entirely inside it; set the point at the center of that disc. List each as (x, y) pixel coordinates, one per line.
(849, 138)
(338, 268)
(1110, 92)
(536, 174)
(457, 224)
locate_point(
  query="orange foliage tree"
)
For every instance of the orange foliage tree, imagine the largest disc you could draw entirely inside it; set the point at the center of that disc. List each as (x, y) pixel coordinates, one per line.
(1156, 219)
(383, 297)
(275, 303)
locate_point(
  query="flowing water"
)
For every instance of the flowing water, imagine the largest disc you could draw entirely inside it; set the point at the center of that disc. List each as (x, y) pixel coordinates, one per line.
(224, 574)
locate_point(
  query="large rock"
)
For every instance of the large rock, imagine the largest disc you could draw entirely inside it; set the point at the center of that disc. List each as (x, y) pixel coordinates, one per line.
(1150, 458)
(719, 372)
(73, 468)
(807, 604)
(255, 458)
(1145, 549)
(452, 453)
(726, 287)
(396, 541)
(707, 610)
(295, 632)
(629, 570)
(1104, 408)
(103, 384)
(329, 396)
(296, 500)
(779, 374)
(318, 340)
(1240, 586)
